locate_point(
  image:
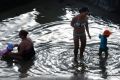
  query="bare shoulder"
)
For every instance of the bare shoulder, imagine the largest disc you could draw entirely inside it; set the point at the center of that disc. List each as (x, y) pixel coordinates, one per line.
(75, 17)
(26, 44)
(27, 41)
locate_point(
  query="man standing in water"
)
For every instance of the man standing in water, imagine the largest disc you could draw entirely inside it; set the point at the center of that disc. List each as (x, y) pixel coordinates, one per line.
(80, 24)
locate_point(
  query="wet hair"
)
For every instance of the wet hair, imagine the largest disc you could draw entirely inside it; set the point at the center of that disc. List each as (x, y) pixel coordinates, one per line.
(23, 33)
(83, 9)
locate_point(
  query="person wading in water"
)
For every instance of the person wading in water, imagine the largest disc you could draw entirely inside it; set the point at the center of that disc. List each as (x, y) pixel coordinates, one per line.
(80, 25)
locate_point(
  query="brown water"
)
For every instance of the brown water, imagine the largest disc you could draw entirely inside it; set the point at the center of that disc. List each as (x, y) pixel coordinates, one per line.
(53, 43)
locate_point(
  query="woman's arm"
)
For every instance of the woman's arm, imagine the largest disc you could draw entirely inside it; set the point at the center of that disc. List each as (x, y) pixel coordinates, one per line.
(87, 29)
(72, 22)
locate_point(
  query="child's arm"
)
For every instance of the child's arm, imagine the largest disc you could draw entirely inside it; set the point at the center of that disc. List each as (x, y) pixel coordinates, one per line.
(100, 35)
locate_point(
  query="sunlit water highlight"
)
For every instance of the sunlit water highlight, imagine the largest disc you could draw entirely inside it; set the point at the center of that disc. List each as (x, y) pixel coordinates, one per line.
(54, 46)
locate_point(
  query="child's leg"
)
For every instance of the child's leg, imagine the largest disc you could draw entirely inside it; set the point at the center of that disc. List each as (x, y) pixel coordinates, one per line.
(100, 52)
(106, 53)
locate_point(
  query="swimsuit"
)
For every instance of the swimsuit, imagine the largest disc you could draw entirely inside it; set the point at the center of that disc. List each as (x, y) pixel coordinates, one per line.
(79, 34)
(76, 35)
(79, 24)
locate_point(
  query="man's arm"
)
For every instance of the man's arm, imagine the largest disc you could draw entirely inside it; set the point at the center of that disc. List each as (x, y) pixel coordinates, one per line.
(22, 48)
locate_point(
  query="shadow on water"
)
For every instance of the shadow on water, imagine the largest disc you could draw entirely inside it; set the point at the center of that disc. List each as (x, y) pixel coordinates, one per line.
(80, 72)
(20, 66)
(102, 64)
(53, 41)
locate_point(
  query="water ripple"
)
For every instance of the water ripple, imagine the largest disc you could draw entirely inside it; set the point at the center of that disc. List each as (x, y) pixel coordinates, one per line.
(54, 46)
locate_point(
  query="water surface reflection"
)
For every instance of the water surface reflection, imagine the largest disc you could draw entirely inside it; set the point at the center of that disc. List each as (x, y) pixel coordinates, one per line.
(54, 47)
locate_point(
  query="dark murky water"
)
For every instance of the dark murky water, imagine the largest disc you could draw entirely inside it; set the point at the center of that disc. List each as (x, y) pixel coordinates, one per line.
(54, 47)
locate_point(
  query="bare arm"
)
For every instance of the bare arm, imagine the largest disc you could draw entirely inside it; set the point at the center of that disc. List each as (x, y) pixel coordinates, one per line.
(87, 30)
(22, 48)
(17, 55)
(16, 45)
(72, 22)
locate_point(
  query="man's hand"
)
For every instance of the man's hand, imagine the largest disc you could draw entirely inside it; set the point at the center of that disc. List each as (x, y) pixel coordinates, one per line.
(16, 45)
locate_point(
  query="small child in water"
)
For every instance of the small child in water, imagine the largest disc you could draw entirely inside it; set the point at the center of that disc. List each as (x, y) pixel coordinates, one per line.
(7, 50)
(103, 42)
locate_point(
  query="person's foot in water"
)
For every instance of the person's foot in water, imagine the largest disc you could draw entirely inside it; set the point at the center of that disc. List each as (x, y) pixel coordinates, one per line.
(75, 61)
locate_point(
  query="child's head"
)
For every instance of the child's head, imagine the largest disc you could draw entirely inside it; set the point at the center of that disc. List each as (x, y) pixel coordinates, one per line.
(107, 33)
(10, 46)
